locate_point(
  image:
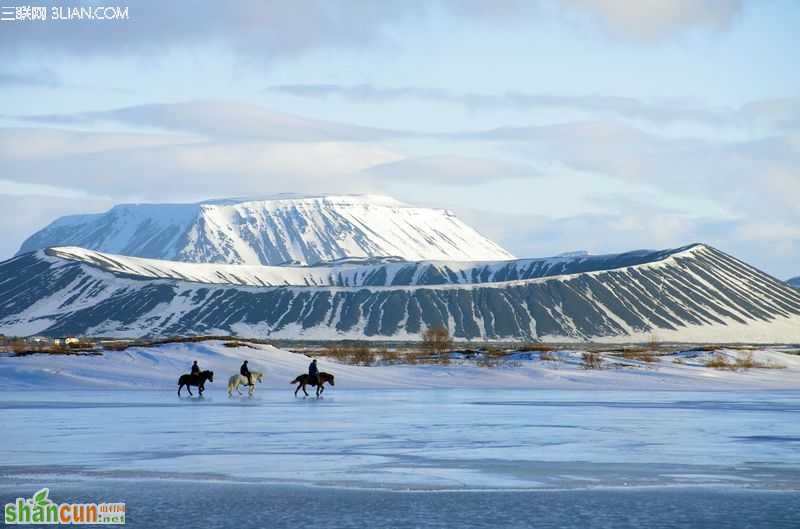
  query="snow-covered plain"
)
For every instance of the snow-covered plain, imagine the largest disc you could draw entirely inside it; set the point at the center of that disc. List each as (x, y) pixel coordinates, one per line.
(159, 367)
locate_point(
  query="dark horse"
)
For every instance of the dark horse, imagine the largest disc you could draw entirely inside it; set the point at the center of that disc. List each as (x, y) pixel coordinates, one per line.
(195, 380)
(304, 380)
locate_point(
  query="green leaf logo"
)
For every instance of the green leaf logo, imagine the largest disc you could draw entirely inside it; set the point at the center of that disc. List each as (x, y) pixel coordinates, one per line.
(40, 498)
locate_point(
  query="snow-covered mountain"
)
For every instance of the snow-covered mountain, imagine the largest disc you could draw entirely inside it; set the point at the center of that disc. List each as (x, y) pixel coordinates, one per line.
(694, 293)
(273, 231)
(795, 281)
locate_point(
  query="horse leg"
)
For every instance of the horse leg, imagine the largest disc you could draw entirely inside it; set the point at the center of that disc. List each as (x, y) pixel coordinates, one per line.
(304, 390)
(189, 389)
(296, 390)
(179, 390)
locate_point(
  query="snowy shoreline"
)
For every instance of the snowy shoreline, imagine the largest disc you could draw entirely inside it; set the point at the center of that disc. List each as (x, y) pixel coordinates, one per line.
(157, 368)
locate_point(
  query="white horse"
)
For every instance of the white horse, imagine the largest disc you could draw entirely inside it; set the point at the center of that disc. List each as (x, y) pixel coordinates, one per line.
(239, 380)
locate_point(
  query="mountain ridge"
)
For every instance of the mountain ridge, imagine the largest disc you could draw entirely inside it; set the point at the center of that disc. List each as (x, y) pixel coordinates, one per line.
(698, 294)
(386, 272)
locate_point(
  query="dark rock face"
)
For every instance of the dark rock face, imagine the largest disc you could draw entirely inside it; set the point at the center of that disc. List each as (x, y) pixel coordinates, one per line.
(692, 289)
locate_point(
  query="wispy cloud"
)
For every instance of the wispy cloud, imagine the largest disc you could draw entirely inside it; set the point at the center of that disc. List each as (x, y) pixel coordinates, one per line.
(220, 119)
(40, 78)
(452, 170)
(779, 113)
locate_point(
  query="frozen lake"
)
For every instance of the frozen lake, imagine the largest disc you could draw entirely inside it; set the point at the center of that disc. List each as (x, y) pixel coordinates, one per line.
(397, 449)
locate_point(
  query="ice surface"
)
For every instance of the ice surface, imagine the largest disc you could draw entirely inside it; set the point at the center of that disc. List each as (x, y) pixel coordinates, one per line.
(411, 439)
(156, 504)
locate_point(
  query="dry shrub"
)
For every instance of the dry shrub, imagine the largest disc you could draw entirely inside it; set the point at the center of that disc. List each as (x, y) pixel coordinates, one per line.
(533, 346)
(437, 339)
(745, 361)
(363, 356)
(592, 360)
(641, 356)
(342, 354)
(238, 344)
(115, 346)
(389, 357)
(413, 358)
(718, 361)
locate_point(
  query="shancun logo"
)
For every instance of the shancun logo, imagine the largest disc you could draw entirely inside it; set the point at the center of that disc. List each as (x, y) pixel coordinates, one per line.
(41, 510)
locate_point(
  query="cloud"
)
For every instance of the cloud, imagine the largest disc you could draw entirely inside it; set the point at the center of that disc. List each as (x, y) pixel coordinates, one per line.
(451, 170)
(258, 29)
(220, 119)
(365, 92)
(777, 113)
(41, 78)
(656, 19)
(264, 30)
(755, 176)
(158, 168)
(18, 143)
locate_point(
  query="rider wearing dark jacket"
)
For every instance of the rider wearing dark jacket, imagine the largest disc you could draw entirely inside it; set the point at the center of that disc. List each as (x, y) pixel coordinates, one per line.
(195, 368)
(245, 372)
(313, 372)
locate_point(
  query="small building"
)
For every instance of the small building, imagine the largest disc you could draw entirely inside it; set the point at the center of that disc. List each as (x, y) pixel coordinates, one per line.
(71, 340)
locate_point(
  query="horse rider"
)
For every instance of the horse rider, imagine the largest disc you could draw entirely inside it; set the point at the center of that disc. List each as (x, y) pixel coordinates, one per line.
(313, 372)
(245, 372)
(195, 369)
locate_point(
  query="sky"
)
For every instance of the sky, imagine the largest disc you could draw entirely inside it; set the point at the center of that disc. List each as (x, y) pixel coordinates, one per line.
(548, 125)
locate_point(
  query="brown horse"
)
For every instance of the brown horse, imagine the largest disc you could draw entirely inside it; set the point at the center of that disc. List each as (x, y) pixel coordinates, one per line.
(195, 380)
(304, 380)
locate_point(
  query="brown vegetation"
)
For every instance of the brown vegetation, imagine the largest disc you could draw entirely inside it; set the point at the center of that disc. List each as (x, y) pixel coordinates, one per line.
(437, 339)
(592, 360)
(641, 356)
(743, 361)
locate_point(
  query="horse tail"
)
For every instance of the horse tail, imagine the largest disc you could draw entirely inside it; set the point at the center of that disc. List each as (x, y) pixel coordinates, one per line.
(296, 380)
